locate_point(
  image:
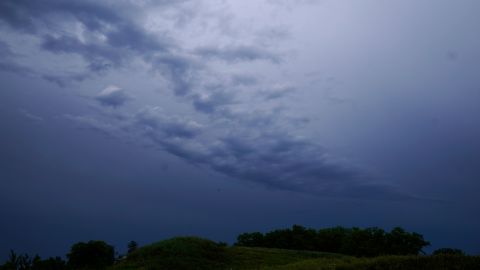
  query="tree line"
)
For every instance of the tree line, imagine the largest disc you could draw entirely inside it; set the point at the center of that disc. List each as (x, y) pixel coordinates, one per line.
(368, 242)
(82, 255)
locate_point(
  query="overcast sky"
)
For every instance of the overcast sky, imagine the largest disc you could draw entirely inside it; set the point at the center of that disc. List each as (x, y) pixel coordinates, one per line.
(142, 120)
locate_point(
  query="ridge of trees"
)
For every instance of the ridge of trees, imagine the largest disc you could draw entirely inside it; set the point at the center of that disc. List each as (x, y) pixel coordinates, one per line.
(368, 242)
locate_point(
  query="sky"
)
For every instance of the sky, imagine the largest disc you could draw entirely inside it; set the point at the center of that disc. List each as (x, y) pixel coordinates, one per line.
(142, 120)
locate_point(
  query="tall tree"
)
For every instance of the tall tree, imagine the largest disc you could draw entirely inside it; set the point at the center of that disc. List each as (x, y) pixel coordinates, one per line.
(132, 246)
(91, 255)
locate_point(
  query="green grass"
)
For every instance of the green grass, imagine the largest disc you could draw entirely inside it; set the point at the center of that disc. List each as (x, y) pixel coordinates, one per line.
(184, 253)
(258, 258)
(177, 253)
(386, 263)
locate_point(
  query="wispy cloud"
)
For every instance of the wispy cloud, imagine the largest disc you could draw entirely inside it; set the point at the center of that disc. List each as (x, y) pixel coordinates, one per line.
(238, 53)
(30, 116)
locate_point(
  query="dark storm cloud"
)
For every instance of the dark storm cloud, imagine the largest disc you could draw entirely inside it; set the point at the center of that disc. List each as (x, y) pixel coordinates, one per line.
(5, 51)
(14, 68)
(112, 96)
(122, 37)
(238, 53)
(243, 80)
(99, 56)
(254, 149)
(155, 121)
(92, 123)
(279, 161)
(30, 15)
(120, 44)
(113, 39)
(213, 101)
(7, 61)
(64, 80)
(276, 92)
(180, 70)
(293, 3)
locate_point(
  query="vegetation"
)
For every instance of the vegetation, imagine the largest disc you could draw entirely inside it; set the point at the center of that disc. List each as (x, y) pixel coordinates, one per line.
(369, 242)
(25, 262)
(386, 263)
(177, 253)
(91, 255)
(182, 253)
(448, 251)
(197, 253)
(132, 246)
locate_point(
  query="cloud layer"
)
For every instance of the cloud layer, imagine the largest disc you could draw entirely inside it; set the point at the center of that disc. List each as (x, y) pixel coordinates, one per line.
(112, 96)
(235, 125)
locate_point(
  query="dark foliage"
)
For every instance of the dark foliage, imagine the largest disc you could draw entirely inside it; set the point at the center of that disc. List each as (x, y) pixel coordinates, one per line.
(367, 242)
(411, 263)
(180, 253)
(448, 251)
(132, 246)
(24, 262)
(91, 255)
(49, 264)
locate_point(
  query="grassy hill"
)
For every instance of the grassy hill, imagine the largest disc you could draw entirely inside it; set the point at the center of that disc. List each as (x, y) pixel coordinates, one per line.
(183, 253)
(196, 253)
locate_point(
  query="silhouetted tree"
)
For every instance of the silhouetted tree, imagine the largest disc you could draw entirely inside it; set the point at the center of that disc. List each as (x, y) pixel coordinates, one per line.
(132, 246)
(332, 239)
(400, 242)
(24, 262)
(254, 239)
(91, 255)
(17, 262)
(359, 242)
(51, 263)
(448, 251)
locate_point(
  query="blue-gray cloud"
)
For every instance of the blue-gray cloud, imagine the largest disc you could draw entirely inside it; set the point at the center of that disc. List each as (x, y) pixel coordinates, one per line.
(243, 80)
(254, 149)
(156, 121)
(112, 96)
(215, 100)
(180, 70)
(64, 80)
(238, 53)
(7, 61)
(30, 116)
(122, 37)
(98, 56)
(276, 91)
